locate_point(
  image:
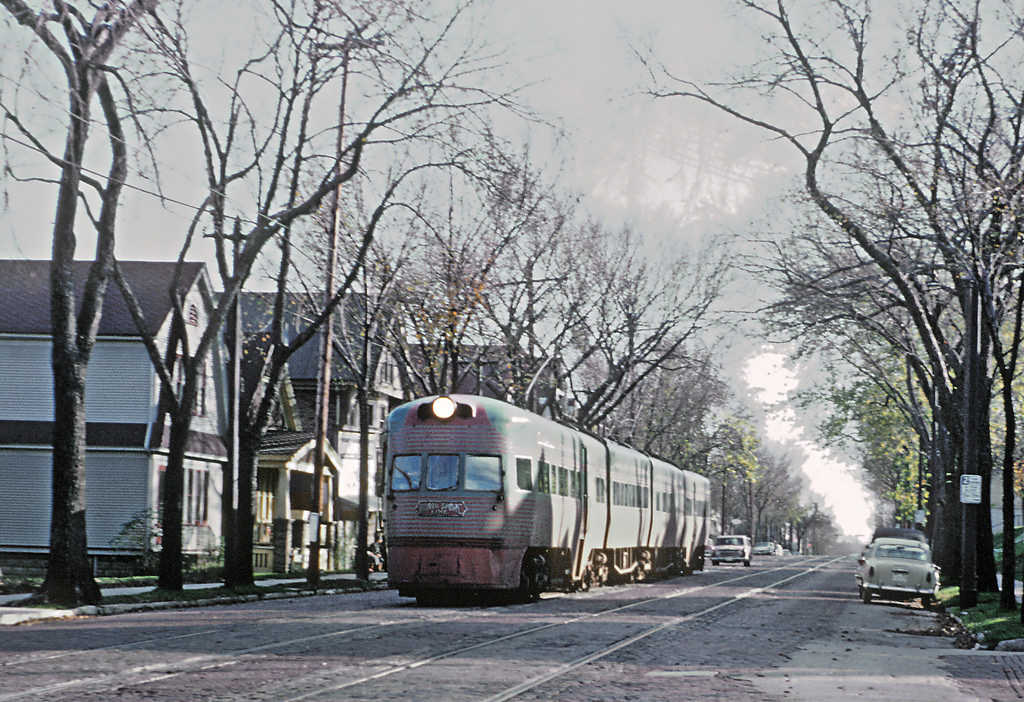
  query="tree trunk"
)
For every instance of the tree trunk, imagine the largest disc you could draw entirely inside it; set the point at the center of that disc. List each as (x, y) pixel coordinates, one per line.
(250, 438)
(171, 559)
(985, 544)
(69, 576)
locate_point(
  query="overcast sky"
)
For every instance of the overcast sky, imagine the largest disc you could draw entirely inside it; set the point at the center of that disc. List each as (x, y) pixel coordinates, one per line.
(670, 169)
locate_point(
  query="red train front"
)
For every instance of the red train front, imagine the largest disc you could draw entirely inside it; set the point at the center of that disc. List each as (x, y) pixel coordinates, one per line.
(450, 526)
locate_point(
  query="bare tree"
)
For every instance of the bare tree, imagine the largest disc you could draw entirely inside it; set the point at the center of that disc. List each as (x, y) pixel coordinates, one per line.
(631, 316)
(455, 261)
(82, 38)
(913, 155)
(408, 100)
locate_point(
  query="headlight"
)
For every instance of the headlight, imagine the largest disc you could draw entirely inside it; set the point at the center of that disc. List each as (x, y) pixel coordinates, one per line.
(443, 407)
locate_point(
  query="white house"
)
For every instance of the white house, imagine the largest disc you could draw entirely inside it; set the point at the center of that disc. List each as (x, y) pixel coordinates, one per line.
(127, 430)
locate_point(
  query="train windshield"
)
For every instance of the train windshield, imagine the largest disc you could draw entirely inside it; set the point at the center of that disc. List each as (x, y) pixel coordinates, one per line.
(406, 472)
(442, 472)
(483, 473)
(480, 472)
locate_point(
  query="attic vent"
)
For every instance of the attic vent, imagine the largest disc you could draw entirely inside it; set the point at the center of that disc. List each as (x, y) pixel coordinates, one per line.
(193, 316)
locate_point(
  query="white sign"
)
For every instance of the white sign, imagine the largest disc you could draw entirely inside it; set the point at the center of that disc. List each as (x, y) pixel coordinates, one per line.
(970, 489)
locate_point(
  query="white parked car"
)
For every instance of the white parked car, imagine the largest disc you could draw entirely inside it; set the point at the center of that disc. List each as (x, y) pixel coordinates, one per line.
(897, 569)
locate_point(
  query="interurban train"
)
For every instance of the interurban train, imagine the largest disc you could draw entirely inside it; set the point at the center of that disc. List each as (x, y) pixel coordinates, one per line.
(485, 497)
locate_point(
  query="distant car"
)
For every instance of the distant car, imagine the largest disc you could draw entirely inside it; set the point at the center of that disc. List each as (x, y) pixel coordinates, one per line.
(764, 548)
(897, 569)
(732, 548)
(899, 533)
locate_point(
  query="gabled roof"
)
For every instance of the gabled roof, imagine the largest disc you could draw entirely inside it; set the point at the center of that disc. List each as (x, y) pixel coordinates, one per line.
(300, 309)
(25, 295)
(285, 442)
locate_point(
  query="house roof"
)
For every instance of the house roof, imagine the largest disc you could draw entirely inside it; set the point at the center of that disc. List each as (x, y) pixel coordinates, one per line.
(300, 309)
(25, 295)
(285, 442)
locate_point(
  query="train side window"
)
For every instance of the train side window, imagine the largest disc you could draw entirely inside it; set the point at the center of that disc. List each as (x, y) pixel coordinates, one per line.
(442, 472)
(406, 472)
(563, 482)
(483, 473)
(543, 484)
(599, 489)
(524, 473)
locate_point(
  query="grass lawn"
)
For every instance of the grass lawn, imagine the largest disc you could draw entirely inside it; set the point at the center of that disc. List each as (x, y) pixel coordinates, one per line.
(986, 621)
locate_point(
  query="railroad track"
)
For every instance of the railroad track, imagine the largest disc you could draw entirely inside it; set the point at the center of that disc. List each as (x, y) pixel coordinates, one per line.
(427, 654)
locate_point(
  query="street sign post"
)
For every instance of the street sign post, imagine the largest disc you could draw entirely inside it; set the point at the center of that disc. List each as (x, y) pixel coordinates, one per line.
(970, 489)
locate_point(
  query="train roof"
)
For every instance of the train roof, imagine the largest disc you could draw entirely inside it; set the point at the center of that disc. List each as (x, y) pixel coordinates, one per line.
(494, 405)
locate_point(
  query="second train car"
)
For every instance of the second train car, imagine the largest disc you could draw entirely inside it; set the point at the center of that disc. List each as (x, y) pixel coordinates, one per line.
(482, 496)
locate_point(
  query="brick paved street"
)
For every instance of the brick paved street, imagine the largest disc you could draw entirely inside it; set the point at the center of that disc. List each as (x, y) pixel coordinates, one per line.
(784, 629)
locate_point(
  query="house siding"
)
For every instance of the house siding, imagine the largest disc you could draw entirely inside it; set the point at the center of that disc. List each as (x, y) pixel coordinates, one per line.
(118, 384)
(116, 488)
(123, 456)
(26, 380)
(25, 498)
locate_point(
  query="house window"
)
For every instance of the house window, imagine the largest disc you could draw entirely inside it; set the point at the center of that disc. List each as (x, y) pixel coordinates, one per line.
(197, 486)
(160, 494)
(179, 375)
(266, 480)
(200, 407)
(196, 502)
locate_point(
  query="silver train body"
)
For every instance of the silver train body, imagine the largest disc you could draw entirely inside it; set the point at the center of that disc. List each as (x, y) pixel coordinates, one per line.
(488, 497)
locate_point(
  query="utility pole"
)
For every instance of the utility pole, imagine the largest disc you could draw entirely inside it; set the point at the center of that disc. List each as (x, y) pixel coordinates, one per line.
(352, 40)
(970, 477)
(323, 400)
(232, 566)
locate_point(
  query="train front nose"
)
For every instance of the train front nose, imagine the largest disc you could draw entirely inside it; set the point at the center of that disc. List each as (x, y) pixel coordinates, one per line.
(468, 567)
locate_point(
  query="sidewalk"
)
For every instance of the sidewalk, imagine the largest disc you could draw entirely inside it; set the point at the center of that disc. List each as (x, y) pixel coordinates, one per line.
(11, 614)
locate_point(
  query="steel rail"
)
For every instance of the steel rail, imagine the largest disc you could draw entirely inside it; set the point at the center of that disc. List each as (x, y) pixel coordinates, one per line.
(534, 682)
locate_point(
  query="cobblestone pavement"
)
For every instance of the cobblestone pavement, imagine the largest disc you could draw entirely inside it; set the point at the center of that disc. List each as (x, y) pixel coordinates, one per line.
(771, 632)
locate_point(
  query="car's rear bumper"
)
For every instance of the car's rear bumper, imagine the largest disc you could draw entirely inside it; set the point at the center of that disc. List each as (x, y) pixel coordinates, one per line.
(895, 592)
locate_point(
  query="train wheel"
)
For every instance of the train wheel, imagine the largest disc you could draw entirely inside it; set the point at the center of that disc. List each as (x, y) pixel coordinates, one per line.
(587, 580)
(533, 577)
(598, 569)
